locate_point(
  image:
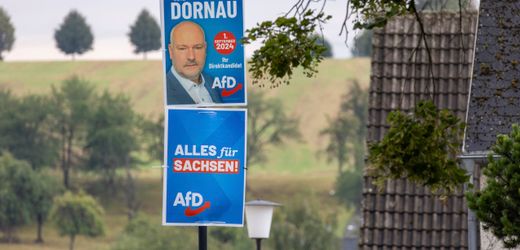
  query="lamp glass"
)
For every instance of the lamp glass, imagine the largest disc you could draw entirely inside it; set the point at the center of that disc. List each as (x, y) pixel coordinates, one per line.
(259, 221)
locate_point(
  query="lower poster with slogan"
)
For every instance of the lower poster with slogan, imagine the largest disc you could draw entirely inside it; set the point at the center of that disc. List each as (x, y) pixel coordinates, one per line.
(205, 157)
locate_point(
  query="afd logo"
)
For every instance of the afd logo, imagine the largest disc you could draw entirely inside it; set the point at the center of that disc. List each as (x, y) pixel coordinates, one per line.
(193, 203)
(228, 84)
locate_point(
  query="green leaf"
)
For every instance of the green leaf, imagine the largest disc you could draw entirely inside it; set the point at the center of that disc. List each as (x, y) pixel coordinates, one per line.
(421, 147)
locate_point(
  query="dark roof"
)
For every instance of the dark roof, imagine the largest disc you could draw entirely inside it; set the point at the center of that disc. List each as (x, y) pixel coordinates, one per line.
(403, 215)
(495, 90)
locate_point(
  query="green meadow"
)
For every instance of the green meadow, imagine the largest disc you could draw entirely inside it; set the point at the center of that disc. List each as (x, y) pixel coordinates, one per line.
(295, 167)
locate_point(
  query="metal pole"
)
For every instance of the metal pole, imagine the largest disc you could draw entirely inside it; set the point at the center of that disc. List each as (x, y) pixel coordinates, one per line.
(203, 238)
(258, 244)
(473, 226)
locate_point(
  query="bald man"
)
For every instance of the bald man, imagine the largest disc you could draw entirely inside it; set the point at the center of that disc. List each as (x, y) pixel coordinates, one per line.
(185, 82)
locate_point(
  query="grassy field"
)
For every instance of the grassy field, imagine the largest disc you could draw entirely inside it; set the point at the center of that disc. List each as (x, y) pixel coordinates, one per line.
(309, 99)
(291, 169)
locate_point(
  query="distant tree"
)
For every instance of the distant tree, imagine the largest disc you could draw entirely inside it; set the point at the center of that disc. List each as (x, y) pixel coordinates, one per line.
(110, 135)
(441, 5)
(140, 233)
(497, 203)
(145, 34)
(340, 140)
(72, 104)
(24, 129)
(328, 53)
(356, 103)
(153, 137)
(45, 188)
(301, 224)
(6, 33)
(346, 140)
(321, 40)
(77, 214)
(268, 124)
(346, 132)
(111, 139)
(16, 192)
(7, 101)
(74, 35)
(363, 44)
(349, 187)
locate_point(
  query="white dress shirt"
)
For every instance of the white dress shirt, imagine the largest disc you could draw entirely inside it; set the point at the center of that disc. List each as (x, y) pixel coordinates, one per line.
(197, 91)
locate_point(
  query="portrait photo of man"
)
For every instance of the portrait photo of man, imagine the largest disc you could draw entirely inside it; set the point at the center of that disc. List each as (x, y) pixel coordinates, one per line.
(185, 81)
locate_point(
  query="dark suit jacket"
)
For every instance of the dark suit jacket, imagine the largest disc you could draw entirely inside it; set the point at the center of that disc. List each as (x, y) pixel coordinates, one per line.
(176, 94)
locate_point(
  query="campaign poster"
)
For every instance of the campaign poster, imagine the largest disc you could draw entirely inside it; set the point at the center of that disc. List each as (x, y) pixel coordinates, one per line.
(203, 57)
(204, 177)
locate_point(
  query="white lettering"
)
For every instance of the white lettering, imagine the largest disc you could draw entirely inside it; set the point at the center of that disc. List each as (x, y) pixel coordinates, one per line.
(221, 11)
(196, 200)
(197, 10)
(177, 165)
(209, 9)
(190, 199)
(204, 10)
(186, 10)
(178, 150)
(179, 200)
(176, 10)
(232, 10)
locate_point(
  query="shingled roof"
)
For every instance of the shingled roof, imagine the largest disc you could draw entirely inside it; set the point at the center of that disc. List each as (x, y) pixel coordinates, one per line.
(495, 91)
(403, 215)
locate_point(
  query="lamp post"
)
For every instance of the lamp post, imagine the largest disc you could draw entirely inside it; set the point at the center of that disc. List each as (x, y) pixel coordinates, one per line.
(259, 214)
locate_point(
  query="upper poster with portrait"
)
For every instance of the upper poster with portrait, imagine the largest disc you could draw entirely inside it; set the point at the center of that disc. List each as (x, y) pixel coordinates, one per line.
(203, 58)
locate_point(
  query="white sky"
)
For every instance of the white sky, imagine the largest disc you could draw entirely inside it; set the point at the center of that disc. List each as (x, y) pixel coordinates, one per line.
(36, 20)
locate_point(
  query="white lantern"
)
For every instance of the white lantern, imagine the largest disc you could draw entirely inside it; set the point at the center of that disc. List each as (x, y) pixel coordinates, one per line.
(259, 214)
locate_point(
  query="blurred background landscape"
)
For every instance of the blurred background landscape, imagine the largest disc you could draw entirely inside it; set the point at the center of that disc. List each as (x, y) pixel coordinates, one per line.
(296, 172)
(90, 126)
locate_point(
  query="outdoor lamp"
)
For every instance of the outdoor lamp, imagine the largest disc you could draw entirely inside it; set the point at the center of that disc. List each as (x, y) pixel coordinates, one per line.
(259, 214)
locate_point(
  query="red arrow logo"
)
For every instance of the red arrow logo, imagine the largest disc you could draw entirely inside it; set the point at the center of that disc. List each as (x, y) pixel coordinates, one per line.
(226, 93)
(192, 212)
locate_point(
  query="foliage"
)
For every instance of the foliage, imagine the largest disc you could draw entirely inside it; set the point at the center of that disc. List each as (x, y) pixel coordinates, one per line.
(325, 43)
(442, 5)
(145, 33)
(24, 126)
(340, 138)
(153, 137)
(230, 238)
(45, 188)
(71, 109)
(111, 136)
(301, 225)
(141, 234)
(349, 186)
(287, 43)
(363, 44)
(346, 132)
(496, 205)
(356, 102)
(6, 33)
(346, 138)
(421, 147)
(268, 124)
(77, 214)
(375, 13)
(74, 35)
(16, 192)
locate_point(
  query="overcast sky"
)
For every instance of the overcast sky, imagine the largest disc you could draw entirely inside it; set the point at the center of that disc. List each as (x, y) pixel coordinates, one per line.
(36, 20)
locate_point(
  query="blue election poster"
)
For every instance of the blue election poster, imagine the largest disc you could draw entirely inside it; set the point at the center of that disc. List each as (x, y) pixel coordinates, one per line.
(205, 157)
(202, 55)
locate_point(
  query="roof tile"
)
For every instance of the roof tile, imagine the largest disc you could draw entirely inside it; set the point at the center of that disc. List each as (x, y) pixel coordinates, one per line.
(403, 215)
